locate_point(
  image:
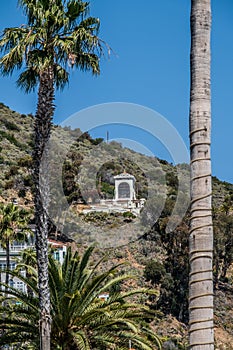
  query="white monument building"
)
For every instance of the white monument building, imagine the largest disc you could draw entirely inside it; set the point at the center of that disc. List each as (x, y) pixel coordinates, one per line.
(124, 187)
(124, 197)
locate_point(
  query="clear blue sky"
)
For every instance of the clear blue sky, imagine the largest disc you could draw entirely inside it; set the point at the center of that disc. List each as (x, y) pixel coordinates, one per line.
(150, 67)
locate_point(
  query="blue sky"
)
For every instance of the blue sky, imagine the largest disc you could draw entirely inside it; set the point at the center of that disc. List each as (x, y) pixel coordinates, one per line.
(149, 67)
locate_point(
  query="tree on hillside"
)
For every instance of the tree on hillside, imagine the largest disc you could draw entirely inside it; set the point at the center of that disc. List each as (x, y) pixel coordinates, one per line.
(223, 245)
(26, 261)
(13, 227)
(80, 319)
(201, 331)
(58, 34)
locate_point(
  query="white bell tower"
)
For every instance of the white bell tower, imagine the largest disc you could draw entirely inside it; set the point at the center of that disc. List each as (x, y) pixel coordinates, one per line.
(124, 187)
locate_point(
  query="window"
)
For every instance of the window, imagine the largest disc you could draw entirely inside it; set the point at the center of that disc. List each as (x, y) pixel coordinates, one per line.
(12, 266)
(11, 283)
(123, 190)
(56, 255)
(2, 266)
(16, 246)
(20, 286)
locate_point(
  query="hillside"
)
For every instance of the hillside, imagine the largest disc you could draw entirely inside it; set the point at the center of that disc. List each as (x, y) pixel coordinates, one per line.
(82, 171)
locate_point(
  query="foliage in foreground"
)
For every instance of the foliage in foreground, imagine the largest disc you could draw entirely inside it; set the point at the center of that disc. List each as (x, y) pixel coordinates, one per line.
(13, 227)
(80, 319)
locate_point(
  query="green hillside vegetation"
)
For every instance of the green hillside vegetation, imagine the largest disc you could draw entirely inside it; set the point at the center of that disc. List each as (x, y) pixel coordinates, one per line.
(160, 259)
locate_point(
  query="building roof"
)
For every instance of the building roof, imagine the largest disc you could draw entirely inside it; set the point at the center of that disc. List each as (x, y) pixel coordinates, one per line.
(56, 244)
(124, 175)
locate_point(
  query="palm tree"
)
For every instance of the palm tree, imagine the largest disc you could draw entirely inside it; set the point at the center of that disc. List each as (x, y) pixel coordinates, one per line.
(26, 261)
(13, 227)
(80, 319)
(201, 333)
(58, 34)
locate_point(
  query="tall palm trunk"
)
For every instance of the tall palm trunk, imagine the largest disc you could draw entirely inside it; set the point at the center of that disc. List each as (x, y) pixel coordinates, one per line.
(201, 334)
(7, 264)
(42, 129)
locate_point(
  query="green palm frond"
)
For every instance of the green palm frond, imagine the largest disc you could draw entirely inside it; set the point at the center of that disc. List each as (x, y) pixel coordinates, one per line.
(31, 283)
(76, 9)
(28, 80)
(80, 320)
(61, 77)
(13, 224)
(27, 258)
(58, 34)
(81, 340)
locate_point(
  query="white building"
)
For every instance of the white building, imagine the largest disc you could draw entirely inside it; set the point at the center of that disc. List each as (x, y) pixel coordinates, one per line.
(124, 197)
(125, 187)
(16, 249)
(58, 249)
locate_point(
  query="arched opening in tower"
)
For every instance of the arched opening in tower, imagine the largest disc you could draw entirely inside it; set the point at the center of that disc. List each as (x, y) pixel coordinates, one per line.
(123, 190)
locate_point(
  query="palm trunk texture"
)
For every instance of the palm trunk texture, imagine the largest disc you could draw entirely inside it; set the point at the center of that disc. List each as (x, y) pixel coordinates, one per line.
(201, 333)
(7, 265)
(42, 129)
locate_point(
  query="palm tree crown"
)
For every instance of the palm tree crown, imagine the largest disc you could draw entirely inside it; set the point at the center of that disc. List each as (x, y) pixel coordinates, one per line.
(58, 34)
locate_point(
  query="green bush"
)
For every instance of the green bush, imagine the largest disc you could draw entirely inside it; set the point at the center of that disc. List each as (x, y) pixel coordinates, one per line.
(28, 181)
(22, 193)
(25, 161)
(128, 214)
(9, 184)
(11, 126)
(154, 272)
(13, 171)
(11, 138)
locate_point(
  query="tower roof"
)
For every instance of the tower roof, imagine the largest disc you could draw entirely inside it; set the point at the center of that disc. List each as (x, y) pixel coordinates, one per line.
(124, 175)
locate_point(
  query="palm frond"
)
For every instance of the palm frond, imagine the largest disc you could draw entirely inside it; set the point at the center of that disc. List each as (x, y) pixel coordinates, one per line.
(79, 317)
(61, 77)
(81, 340)
(76, 9)
(57, 34)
